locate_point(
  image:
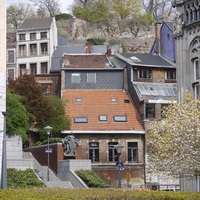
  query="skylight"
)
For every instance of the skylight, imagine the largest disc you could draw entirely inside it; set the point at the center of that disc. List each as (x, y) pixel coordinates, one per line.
(134, 58)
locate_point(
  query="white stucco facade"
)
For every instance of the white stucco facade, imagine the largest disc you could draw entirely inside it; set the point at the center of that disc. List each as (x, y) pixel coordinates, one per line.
(2, 71)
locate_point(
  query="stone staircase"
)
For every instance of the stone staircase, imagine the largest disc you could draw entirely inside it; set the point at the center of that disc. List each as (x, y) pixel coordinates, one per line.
(41, 172)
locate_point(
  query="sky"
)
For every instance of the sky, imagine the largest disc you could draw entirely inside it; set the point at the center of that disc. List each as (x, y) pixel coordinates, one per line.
(65, 4)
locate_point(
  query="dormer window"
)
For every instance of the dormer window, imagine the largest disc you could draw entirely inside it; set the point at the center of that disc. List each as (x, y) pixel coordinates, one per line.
(114, 100)
(170, 75)
(79, 100)
(147, 74)
(120, 118)
(102, 118)
(80, 120)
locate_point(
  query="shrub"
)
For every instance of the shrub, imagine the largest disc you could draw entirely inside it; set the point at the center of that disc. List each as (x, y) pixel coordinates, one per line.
(96, 41)
(91, 179)
(51, 141)
(23, 179)
(63, 16)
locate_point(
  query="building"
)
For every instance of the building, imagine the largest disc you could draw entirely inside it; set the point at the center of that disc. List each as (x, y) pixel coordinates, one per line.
(36, 41)
(102, 115)
(2, 76)
(151, 83)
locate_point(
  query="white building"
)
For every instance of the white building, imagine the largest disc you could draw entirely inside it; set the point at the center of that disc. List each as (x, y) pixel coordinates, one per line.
(2, 71)
(36, 41)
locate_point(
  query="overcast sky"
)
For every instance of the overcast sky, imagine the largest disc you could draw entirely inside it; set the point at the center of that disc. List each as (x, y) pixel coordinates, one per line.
(65, 4)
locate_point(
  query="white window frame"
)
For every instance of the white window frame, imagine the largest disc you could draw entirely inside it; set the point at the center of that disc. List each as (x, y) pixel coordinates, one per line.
(75, 75)
(93, 77)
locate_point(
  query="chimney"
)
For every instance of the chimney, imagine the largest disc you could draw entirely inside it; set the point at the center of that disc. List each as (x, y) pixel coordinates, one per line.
(88, 48)
(158, 36)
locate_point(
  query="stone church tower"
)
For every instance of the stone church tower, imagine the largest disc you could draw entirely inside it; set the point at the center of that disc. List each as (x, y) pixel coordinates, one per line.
(2, 72)
(187, 35)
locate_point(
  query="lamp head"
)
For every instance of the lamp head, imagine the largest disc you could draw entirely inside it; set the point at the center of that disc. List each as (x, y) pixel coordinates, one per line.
(48, 129)
(119, 148)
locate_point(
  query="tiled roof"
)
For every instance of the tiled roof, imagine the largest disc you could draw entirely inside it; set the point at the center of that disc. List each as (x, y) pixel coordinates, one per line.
(37, 23)
(98, 102)
(145, 59)
(86, 61)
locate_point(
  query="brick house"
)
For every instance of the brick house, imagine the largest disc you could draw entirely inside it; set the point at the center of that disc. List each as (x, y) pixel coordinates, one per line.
(102, 115)
(151, 82)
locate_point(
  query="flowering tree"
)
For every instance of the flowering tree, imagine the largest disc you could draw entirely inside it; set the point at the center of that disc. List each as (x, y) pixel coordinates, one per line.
(174, 141)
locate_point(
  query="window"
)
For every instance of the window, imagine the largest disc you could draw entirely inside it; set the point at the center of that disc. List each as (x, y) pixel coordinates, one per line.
(102, 118)
(11, 57)
(197, 91)
(75, 78)
(79, 100)
(132, 151)
(44, 68)
(22, 50)
(43, 48)
(10, 74)
(91, 78)
(32, 36)
(33, 49)
(114, 100)
(94, 151)
(43, 35)
(170, 75)
(121, 118)
(33, 68)
(46, 88)
(145, 74)
(22, 37)
(112, 152)
(150, 111)
(80, 120)
(197, 70)
(22, 69)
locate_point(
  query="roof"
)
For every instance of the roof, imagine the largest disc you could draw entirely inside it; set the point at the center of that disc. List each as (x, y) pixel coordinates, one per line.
(86, 61)
(156, 91)
(73, 49)
(11, 40)
(98, 102)
(37, 23)
(170, 25)
(145, 60)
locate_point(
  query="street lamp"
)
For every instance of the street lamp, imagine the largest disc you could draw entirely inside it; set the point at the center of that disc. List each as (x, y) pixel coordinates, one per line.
(4, 159)
(48, 129)
(119, 148)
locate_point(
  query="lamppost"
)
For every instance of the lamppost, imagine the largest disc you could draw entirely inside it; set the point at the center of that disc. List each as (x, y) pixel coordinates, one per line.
(119, 148)
(48, 129)
(4, 160)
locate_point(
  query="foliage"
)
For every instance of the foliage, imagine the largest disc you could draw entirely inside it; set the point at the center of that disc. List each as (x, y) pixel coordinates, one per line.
(17, 119)
(47, 110)
(23, 179)
(174, 141)
(16, 13)
(95, 194)
(96, 41)
(51, 141)
(91, 179)
(52, 7)
(63, 16)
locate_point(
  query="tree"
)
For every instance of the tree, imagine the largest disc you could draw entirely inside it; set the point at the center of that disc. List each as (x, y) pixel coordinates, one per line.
(160, 10)
(17, 120)
(52, 7)
(44, 109)
(174, 141)
(16, 13)
(136, 22)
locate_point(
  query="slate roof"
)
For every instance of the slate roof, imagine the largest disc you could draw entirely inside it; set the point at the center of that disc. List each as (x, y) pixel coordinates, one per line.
(98, 102)
(37, 23)
(145, 59)
(73, 49)
(170, 25)
(87, 61)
